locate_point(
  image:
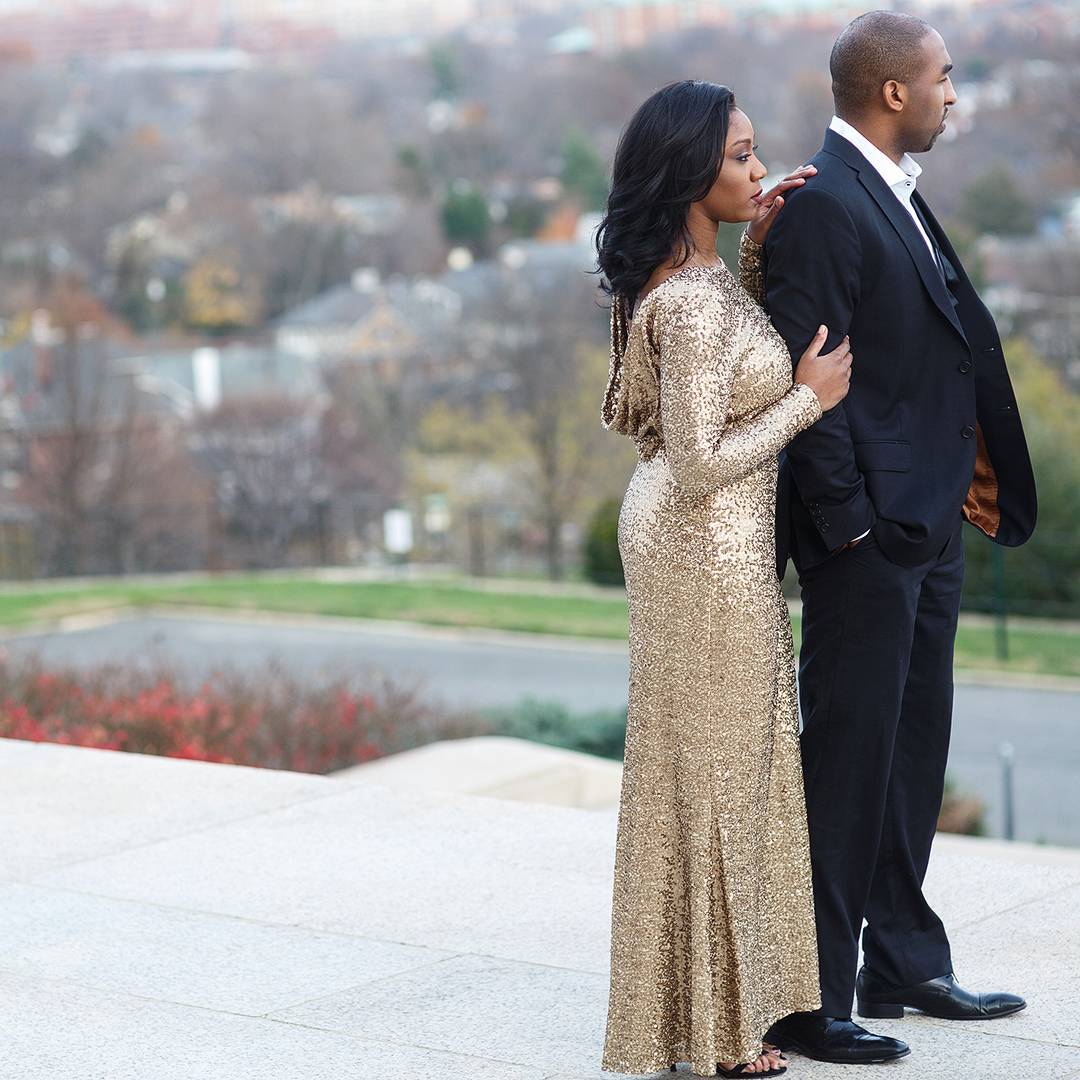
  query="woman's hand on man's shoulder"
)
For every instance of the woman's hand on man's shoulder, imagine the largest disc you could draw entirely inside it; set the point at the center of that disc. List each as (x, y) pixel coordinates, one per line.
(771, 203)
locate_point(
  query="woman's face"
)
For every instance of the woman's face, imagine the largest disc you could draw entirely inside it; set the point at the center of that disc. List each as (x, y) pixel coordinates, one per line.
(738, 183)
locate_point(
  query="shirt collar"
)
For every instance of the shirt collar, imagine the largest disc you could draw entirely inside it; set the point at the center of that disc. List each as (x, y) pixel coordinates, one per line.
(895, 175)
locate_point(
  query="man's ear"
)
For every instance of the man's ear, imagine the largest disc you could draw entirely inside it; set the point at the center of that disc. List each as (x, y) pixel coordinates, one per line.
(894, 95)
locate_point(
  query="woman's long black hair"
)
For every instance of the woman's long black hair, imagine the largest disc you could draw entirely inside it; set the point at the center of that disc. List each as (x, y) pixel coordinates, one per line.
(667, 158)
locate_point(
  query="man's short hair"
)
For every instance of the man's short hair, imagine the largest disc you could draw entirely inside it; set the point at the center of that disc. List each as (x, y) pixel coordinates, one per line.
(871, 50)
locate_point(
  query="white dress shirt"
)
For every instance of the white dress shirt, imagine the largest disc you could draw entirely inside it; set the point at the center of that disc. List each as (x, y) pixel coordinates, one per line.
(900, 178)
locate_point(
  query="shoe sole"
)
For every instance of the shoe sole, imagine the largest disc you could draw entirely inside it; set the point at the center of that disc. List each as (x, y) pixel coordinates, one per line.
(890, 1011)
(817, 1055)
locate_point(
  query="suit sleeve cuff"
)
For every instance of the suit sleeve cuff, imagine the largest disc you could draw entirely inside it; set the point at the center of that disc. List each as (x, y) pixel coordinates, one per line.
(840, 522)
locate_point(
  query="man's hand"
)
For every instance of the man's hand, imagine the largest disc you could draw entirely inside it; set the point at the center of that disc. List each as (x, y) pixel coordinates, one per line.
(854, 543)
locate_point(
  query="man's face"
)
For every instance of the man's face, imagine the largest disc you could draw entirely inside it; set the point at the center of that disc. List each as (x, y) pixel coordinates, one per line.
(930, 95)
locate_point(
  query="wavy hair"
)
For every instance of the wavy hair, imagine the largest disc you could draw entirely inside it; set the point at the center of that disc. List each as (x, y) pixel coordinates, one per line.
(667, 158)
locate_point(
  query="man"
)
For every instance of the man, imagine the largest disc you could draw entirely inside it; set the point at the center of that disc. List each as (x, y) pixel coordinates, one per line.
(871, 502)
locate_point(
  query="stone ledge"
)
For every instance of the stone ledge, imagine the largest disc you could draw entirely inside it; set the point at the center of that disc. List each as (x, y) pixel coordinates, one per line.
(498, 767)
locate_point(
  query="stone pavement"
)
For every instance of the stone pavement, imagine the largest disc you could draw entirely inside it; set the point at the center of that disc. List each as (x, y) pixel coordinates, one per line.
(177, 920)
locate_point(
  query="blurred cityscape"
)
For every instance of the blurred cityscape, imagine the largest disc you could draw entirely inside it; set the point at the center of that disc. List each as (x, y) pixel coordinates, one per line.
(305, 282)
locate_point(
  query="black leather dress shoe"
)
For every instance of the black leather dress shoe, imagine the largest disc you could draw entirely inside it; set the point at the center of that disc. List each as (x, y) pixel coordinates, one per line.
(834, 1038)
(943, 997)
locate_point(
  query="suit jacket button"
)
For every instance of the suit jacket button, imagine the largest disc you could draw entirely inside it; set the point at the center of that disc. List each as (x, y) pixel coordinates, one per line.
(965, 366)
(968, 432)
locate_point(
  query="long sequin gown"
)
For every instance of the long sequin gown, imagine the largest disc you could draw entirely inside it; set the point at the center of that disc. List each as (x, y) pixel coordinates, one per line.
(712, 931)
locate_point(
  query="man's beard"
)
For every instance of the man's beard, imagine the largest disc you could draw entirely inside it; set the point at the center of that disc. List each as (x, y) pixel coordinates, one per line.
(934, 138)
(940, 130)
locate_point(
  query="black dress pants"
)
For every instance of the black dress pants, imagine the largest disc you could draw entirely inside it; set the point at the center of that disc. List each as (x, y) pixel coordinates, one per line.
(876, 690)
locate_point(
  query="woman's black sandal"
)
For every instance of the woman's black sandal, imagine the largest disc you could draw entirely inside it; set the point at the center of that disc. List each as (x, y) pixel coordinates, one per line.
(737, 1072)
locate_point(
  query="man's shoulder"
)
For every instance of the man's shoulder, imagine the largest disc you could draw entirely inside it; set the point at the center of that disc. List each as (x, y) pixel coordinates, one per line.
(825, 213)
(830, 194)
(834, 176)
(820, 196)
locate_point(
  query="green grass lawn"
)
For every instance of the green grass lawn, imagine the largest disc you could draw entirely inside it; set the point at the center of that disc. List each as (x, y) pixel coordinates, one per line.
(436, 603)
(1034, 649)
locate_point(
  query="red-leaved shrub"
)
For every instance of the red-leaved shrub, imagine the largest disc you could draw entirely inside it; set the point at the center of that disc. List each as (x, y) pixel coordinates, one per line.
(267, 717)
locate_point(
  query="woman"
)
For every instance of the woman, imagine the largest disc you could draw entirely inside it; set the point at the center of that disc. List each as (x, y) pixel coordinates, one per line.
(712, 921)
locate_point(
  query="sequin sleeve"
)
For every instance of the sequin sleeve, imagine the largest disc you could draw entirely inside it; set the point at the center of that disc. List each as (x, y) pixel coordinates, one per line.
(701, 337)
(752, 267)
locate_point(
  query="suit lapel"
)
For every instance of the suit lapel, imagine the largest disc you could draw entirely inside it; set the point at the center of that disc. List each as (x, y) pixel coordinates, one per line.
(913, 241)
(901, 221)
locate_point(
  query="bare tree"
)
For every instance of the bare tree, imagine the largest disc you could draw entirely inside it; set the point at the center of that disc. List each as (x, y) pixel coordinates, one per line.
(65, 431)
(549, 325)
(98, 455)
(263, 452)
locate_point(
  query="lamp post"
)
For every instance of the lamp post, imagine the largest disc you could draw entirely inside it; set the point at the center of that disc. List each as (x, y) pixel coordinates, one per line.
(1001, 636)
(1008, 756)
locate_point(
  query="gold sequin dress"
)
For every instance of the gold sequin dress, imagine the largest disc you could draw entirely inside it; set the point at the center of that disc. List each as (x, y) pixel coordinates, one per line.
(712, 931)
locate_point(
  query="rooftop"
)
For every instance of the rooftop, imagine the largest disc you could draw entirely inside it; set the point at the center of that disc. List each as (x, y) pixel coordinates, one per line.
(434, 303)
(179, 920)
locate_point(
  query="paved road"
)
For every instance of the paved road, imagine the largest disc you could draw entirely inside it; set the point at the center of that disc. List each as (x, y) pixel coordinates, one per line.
(484, 670)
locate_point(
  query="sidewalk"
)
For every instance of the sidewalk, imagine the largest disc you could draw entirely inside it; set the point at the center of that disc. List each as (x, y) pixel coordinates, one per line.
(176, 920)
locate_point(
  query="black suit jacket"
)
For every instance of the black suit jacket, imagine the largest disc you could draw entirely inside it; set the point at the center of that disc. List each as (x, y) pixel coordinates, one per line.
(930, 427)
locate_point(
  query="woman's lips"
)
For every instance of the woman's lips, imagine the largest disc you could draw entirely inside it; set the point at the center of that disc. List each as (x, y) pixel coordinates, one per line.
(756, 198)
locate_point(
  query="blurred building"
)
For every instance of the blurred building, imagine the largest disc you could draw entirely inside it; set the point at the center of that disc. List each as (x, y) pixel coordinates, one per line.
(58, 32)
(362, 18)
(165, 28)
(441, 336)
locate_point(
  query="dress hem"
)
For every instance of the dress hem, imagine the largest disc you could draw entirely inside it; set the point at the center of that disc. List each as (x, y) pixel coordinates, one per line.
(663, 1064)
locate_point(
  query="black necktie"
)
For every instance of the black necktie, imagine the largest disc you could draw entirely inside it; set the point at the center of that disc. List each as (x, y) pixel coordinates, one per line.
(944, 267)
